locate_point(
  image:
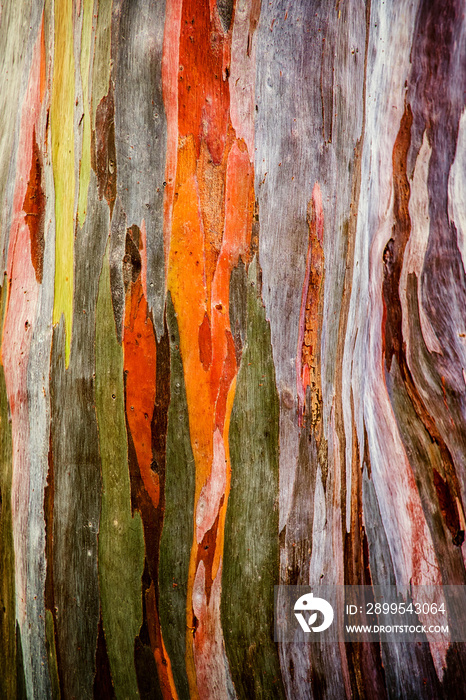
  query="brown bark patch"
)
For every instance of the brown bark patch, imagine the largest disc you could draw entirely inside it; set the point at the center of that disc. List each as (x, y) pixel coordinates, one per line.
(34, 210)
(448, 508)
(104, 161)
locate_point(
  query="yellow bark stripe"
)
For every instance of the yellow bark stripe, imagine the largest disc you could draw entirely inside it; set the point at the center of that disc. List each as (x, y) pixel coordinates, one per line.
(85, 168)
(61, 123)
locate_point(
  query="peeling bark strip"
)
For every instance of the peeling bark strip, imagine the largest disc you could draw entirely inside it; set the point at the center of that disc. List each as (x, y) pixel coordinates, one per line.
(310, 331)
(233, 344)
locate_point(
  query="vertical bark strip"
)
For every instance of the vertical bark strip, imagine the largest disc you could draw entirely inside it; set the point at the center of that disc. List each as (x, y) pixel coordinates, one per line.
(121, 541)
(178, 527)
(140, 130)
(24, 276)
(250, 573)
(62, 142)
(7, 551)
(210, 229)
(77, 466)
(146, 400)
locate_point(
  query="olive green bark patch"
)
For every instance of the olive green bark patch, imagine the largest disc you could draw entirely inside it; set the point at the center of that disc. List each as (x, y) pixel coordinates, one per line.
(178, 528)
(7, 552)
(121, 539)
(250, 565)
(52, 655)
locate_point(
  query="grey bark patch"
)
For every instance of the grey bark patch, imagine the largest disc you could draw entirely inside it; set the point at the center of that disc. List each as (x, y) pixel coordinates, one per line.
(406, 665)
(225, 11)
(140, 132)
(117, 253)
(238, 307)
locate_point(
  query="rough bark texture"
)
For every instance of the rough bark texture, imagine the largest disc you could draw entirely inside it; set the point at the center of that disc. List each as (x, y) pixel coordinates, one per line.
(233, 346)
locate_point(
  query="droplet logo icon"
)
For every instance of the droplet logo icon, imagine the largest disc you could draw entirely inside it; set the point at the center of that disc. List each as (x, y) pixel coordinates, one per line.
(307, 603)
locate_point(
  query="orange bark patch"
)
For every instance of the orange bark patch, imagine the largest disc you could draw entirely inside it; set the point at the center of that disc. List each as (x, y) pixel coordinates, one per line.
(187, 286)
(139, 367)
(205, 343)
(203, 91)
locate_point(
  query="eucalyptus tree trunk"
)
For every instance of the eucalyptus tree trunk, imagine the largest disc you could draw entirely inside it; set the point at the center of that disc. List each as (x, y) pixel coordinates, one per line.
(233, 355)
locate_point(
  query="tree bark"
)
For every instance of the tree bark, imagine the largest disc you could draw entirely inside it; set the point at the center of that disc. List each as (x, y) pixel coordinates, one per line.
(233, 249)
